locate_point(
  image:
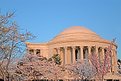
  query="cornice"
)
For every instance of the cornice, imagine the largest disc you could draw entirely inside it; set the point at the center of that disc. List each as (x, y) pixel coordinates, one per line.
(59, 42)
(29, 43)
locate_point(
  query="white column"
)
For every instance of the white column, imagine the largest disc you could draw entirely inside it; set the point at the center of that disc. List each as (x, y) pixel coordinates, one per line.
(96, 51)
(65, 59)
(73, 50)
(34, 51)
(89, 51)
(102, 53)
(62, 54)
(81, 48)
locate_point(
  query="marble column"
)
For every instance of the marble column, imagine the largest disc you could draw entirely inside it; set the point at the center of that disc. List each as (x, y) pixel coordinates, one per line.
(89, 51)
(73, 50)
(81, 49)
(62, 54)
(96, 49)
(69, 56)
(34, 51)
(65, 59)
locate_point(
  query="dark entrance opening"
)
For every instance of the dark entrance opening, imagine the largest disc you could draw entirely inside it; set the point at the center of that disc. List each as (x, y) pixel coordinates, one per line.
(1, 80)
(76, 54)
(116, 80)
(109, 80)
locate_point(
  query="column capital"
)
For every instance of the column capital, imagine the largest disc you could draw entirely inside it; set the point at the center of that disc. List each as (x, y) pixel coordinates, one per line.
(97, 46)
(89, 46)
(65, 47)
(73, 47)
(81, 46)
(58, 48)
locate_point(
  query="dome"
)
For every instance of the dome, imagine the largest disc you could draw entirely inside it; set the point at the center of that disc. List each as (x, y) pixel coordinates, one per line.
(77, 29)
(77, 33)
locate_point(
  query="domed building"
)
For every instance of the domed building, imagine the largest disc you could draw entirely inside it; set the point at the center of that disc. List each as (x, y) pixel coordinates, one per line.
(73, 44)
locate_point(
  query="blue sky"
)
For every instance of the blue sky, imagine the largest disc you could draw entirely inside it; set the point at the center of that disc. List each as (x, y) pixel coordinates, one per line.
(47, 18)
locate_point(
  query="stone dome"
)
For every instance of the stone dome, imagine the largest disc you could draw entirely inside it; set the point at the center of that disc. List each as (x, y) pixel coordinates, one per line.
(76, 29)
(77, 33)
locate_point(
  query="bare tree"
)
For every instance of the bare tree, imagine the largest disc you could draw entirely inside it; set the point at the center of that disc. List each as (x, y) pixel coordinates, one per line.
(12, 44)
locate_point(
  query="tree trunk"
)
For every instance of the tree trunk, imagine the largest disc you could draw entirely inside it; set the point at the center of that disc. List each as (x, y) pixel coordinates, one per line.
(102, 78)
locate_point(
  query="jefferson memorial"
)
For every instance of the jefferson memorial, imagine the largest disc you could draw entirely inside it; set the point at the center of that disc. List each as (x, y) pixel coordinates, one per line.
(73, 44)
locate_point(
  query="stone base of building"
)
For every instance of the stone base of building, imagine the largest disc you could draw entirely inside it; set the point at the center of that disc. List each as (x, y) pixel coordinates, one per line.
(112, 77)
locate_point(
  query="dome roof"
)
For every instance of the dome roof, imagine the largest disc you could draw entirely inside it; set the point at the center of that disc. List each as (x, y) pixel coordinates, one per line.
(76, 29)
(77, 33)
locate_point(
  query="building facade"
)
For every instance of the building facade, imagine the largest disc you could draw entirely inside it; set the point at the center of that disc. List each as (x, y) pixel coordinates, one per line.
(73, 44)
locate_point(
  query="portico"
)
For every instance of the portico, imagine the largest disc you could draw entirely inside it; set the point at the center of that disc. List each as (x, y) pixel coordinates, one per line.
(71, 54)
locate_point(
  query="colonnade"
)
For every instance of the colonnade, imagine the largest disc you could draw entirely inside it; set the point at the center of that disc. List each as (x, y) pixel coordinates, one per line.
(71, 54)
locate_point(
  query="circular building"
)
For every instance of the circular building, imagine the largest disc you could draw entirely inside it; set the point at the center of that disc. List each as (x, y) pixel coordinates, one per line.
(74, 44)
